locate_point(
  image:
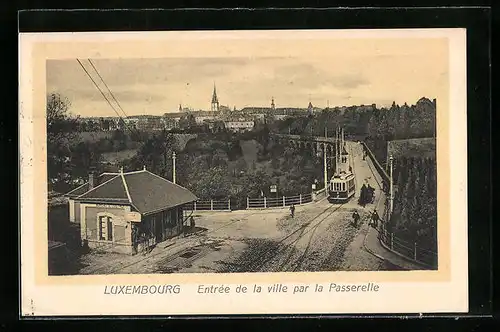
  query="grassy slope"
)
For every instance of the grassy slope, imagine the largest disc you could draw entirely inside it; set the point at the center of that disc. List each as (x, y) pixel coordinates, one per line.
(249, 149)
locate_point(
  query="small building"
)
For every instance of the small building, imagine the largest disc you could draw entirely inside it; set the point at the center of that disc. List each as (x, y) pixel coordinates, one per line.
(128, 212)
(239, 125)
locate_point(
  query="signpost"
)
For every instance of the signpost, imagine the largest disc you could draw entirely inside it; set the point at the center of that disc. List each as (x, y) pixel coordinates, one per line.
(274, 189)
(133, 216)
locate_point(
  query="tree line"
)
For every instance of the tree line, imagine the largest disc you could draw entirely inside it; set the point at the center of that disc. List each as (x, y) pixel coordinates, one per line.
(213, 166)
(414, 217)
(376, 126)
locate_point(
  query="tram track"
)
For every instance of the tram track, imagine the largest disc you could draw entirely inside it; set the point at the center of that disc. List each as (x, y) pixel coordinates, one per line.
(259, 262)
(299, 262)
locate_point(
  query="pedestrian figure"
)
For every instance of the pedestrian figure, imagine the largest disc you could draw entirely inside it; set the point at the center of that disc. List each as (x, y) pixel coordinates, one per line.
(292, 210)
(355, 217)
(375, 219)
(192, 224)
(362, 196)
(371, 193)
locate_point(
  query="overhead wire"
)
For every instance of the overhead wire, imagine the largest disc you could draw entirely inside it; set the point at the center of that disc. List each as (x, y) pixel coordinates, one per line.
(103, 82)
(103, 94)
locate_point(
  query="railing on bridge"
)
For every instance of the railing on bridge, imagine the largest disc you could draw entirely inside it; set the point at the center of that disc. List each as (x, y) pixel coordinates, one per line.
(378, 166)
(278, 202)
(408, 250)
(306, 137)
(210, 205)
(403, 248)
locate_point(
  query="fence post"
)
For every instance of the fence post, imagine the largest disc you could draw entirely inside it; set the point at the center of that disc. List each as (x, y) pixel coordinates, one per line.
(195, 206)
(248, 202)
(211, 205)
(229, 204)
(415, 251)
(300, 199)
(264, 202)
(284, 201)
(392, 240)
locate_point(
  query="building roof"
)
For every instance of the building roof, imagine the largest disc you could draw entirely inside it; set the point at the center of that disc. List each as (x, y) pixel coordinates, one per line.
(174, 115)
(85, 187)
(145, 191)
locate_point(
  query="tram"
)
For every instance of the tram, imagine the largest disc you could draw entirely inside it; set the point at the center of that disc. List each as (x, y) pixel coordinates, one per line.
(342, 186)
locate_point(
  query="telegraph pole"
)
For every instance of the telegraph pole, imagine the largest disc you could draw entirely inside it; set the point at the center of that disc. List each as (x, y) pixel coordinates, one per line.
(391, 193)
(173, 164)
(325, 170)
(337, 145)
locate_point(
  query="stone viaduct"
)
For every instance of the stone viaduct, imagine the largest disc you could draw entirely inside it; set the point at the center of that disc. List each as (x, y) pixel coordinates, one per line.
(315, 144)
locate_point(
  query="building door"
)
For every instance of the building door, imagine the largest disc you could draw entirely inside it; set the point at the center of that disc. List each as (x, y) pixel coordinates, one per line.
(158, 228)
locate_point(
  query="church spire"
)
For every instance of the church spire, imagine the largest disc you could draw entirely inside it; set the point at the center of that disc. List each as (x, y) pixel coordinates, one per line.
(272, 104)
(215, 101)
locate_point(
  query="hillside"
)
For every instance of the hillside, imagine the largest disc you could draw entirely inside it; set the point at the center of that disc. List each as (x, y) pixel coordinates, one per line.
(415, 147)
(250, 151)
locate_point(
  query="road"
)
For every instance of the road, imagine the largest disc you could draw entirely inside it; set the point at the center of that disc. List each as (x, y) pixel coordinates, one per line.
(319, 238)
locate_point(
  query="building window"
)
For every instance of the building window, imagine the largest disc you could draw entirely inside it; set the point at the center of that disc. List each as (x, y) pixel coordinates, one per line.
(105, 228)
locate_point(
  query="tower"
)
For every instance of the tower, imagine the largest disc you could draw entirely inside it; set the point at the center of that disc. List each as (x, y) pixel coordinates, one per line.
(272, 104)
(310, 108)
(215, 101)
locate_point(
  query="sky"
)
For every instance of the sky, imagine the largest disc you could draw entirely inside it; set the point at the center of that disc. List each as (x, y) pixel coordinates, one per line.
(360, 73)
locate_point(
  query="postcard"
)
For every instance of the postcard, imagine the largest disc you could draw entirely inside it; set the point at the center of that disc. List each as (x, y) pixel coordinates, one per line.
(243, 172)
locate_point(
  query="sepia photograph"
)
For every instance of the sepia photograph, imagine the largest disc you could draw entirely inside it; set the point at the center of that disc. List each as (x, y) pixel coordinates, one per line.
(243, 167)
(244, 164)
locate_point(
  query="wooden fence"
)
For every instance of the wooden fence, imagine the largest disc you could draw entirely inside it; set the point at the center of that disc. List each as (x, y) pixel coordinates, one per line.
(278, 202)
(210, 205)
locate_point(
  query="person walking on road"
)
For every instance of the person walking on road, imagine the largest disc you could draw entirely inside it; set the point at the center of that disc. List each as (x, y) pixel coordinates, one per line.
(191, 223)
(371, 194)
(355, 218)
(362, 196)
(375, 219)
(292, 210)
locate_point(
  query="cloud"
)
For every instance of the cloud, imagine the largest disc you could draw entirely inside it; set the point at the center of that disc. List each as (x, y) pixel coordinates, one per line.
(343, 72)
(117, 72)
(309, 76)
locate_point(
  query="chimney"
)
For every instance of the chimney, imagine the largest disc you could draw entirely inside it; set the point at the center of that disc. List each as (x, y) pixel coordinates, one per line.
(91, 180)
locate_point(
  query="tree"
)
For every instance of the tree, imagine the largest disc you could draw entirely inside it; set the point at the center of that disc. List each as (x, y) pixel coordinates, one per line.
(61, 131)
(156, 155)
(214, 184)
(119, 140)
(84, 157)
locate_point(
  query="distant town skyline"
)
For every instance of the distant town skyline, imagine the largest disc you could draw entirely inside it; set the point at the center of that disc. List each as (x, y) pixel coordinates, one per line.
(362, 73)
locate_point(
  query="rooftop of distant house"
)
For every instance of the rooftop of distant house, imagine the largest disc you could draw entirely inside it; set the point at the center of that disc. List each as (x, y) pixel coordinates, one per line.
(144, 190)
